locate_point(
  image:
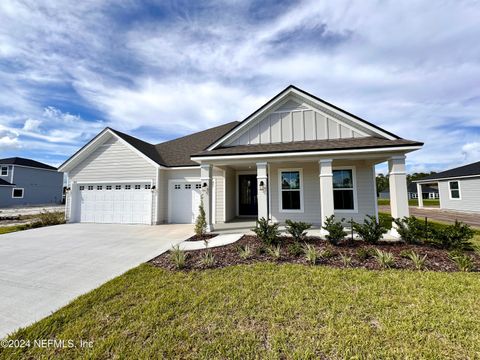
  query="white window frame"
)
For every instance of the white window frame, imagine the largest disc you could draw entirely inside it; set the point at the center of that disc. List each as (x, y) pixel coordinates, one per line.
(354, 188)
(280, 190)
(450, 190)
(18, 197)
(1, 171)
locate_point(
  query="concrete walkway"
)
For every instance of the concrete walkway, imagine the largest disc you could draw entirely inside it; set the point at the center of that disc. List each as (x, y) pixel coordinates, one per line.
(44, 269)
(219, 240)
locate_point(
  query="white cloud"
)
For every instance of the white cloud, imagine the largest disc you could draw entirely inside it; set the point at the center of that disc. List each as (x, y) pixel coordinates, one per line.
(471, 152)
(31, 125)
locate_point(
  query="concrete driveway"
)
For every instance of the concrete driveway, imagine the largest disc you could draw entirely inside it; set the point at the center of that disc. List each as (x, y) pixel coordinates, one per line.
(44, 269)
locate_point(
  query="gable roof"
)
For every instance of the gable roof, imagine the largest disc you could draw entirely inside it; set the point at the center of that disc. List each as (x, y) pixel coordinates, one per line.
(5, 183)
(291, 89)
(26, 162)
(462, 171)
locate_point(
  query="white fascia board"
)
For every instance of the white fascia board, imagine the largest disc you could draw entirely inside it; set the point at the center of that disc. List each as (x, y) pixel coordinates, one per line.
(307, 153)
(445, 178)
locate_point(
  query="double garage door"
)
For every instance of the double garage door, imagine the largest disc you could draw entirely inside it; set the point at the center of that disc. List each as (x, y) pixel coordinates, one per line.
(127, 203)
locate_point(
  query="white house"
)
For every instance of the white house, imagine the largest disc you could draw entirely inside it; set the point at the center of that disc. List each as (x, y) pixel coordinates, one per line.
(296, 157)
(459, 188)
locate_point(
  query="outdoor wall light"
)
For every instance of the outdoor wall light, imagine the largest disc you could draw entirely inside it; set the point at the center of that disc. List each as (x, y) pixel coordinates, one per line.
(205, 185)
(67, 189)
(261, 185)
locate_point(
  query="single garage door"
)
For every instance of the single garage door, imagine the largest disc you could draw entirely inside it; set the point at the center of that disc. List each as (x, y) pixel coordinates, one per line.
(129, 203)
(184, 201)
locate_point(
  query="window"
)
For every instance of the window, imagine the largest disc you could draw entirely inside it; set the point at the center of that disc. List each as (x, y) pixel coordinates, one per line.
(82, 187)
(148, 186)
(17, 193)
(188, 186)
(198, 186)
(90, 187)
(343, 193)
(108, 187)
(177, 186)
(137, 187)
(99, 187)
(118, 187)
(291, 191)
(454, 189)
(4, 171)
(128, 187)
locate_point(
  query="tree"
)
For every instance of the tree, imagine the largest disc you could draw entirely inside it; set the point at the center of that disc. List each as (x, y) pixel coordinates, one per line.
(382, 183)
(201, 222)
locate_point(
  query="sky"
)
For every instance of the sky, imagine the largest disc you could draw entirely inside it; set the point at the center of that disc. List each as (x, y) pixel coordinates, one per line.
(161, 69)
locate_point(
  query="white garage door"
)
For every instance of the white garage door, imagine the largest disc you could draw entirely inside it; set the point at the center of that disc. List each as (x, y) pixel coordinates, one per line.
(116, 203)
(184, 201)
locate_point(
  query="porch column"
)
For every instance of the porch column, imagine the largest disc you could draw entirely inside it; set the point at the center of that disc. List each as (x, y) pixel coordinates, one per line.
(420, 195)
(326, 189)
(398, 189)
(262, 198)
(206, 180)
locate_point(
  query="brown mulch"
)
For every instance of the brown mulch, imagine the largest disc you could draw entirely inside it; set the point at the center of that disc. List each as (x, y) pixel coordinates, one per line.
(202, 237)
(437, 259)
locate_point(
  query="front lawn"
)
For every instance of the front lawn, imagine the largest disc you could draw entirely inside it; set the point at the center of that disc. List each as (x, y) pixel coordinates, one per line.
(414, 202)
(268, 310)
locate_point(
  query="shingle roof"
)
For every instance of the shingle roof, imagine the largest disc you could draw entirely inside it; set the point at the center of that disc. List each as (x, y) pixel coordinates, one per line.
(313, 145)
(5, 183)
(466, 170)
(26, 162)
(412, 187)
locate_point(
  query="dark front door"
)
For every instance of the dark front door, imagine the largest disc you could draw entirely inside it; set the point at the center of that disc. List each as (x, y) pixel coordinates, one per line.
(247, 196)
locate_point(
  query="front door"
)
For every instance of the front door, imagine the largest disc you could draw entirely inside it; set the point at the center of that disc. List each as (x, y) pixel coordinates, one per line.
(247, 196)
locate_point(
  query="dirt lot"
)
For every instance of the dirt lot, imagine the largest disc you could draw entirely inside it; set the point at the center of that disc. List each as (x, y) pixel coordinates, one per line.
(25, 215)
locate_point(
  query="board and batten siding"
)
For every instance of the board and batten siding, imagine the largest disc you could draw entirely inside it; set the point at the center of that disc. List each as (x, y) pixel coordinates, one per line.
(365, 190)
(469, 193)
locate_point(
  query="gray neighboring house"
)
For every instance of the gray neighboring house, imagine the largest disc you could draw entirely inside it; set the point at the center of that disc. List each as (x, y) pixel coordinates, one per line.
(459, 188)
(29, 182)
(428, 192)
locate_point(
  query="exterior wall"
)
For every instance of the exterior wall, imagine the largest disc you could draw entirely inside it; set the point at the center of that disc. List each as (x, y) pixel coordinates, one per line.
(39, 187)
(469, 193)
(365, 192)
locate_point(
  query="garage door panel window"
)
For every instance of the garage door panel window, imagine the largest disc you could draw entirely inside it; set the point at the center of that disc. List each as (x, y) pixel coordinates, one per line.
(291, 190)
(343, 190)
(454, 187)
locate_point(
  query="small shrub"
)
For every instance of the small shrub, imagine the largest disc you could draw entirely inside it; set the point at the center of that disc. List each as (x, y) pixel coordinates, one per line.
(410, 229)
(371, 231)
(364, 253)
(297, 229)
(346, 260)
(48, 218)
(274, 252)
(417, 260)
(245, 252)
(405, 254)
(178, 257)
(295, 249)
(267, 233)
(208, 259)
(310, 254)
(335, 230)
(384, 259)
(326, 254)
(455, 236)
(201, 222)
(463, 262)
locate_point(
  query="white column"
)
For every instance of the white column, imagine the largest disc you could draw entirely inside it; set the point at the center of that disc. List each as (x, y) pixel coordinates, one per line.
(262, 198)
(420, 195)
(398, 189)
(326, 189)
(207, 190)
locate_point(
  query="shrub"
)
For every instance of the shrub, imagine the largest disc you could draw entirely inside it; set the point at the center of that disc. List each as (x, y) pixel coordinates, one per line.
(201, 222)
(297, 229)
(178, 257)
(208, 259)
(410, 229)
(310, 254)
(455, 236)
(346, 260)
(326, 254)
(274, 252)
(267, 233)
(335, 230)
(364, 253)
(417, 260)
(463, 262)
(245, 252)
(48, 218)
(295, 249)
(384, 259)
(371, 231)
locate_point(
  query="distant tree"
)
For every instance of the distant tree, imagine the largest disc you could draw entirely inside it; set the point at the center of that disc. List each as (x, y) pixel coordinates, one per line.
(382, 183)
(418, 176)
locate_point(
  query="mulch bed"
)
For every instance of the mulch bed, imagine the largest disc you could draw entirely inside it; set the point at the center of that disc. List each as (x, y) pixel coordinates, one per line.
(437, 259)
(202, 238)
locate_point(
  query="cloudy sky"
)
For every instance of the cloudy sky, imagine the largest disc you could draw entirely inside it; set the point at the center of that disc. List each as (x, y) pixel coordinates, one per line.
(163, 69)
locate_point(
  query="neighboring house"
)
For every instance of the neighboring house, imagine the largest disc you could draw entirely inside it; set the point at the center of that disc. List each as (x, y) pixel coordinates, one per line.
(459, 188)
(29, 182)
(428, 192)
(296, 157)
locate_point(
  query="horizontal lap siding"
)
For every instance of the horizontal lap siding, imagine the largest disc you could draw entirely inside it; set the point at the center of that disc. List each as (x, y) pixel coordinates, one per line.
(469, 192)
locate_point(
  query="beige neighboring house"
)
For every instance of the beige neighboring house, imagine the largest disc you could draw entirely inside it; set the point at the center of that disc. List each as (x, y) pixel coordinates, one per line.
(458, 188)
(296, 157)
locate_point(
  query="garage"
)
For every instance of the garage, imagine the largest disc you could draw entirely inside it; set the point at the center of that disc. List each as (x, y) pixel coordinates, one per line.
(184, 200)
(126, 203)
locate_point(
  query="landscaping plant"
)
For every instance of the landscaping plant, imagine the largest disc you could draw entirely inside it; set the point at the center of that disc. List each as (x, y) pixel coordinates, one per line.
(463, 262)
(267, 233)
(456, 236)
(274, 251)
(371, 231)
(178, 257)
(201, 222)
(208, 259)
(335, 230)
(295, 249)
(310, 254)
(410, 229)
(346, 260)
(326, 254)
(364, 253)
(245, 252)
(48, 218)
(297, 229)
(384, 259)
(417, 260)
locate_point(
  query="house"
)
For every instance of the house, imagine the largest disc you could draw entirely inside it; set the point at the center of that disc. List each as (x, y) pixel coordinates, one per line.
(428, 192)
(29, 182)
(459, 188)
(296, 157)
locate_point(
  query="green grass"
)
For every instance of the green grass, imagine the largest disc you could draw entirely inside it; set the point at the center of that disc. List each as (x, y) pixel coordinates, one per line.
(413, 202)
(13, 228)
(269, 311)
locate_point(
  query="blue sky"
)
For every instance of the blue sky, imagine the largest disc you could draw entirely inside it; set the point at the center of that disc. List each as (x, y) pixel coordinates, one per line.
(159, 70)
